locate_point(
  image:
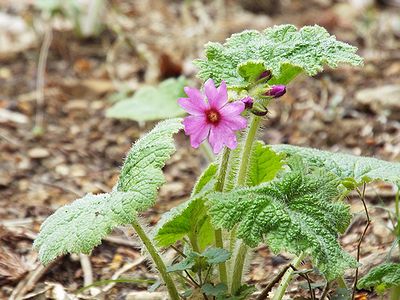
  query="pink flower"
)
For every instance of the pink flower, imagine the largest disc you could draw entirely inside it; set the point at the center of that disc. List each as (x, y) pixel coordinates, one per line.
(216, 118)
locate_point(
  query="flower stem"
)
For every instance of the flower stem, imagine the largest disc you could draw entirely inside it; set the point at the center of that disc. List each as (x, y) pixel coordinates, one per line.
(219, 186)
(173, 292)
(283, 285)
(241, 180)
(238, 271)
(251, 134)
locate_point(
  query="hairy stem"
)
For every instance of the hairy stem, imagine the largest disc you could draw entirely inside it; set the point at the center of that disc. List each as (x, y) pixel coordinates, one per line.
(194, 243)
(241, 180)
(283, 285)
(397, 210)
(219, 186)
(341, 282)
(251, 134)
(395, 293)
(173, 292)
(238, 271)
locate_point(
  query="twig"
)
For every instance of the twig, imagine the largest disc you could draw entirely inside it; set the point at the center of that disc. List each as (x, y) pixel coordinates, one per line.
(191, 283)
(192, 279)
(124, 269)
(275, 280)
(179, 251)
(87, 273)
(362, 197)
(326, 291)
(40, 81)
(30, 280)
(305, 276)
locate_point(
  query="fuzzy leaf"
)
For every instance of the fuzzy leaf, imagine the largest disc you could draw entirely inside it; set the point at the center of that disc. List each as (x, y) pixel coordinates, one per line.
(264, 164)
(151, 103)
(186, 264)
(298, 214)
(282, 49)
(218, 290)
(381, 277)
(361, 169)
(216, 255)
(205, 179)
(188, 218)
(81, 225)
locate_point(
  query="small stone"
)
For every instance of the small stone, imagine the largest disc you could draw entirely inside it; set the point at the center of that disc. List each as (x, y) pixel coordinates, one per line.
(383, 99)
(63, 170)
(38, 153)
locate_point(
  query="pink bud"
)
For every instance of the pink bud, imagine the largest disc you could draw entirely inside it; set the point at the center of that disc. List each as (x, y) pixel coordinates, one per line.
(276, 91)
(248, 102)
(267, 75)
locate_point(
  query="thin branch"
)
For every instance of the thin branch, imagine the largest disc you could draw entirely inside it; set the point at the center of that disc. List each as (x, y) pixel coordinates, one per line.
(190, 282)
(87, 273)
(305, 276)
(40, 81)
(326, 291)
(275, 280)
(178, 251)
(192, 279)
(207, 273)
(362, 197)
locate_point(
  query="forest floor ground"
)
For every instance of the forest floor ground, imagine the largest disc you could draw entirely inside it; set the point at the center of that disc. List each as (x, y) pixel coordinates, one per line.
(81, 151)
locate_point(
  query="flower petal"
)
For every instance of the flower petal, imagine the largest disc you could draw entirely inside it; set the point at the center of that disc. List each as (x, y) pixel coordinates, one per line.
(217, 98)
(193, 93)
(197, 129)
(233, 108)
(192, 106)
(234, 122)
(222, 135)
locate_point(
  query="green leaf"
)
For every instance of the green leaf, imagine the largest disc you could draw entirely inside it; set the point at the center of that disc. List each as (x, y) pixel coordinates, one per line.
(251, 70)
(298, 213)
(341, 294)
(347, 167)
(205, 181)
(81, 225)
(188, 218)
(283, 50)
(186, 264)
(217, 290)
(151, 103)
(183, 220)
(381, 277)
(216, 255)
(264, 164)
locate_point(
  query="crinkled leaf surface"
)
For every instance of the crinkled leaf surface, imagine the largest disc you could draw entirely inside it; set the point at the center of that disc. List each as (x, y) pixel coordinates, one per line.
(361, 169)
(282, 49)
(297, 213)
(381, 277)
(264, 164)
(80, 226)
(151, 103)
(190, 217)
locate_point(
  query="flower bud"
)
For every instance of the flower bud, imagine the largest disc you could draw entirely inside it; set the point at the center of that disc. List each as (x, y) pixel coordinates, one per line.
(259, 110)
(276, 91)
(266, 75)
(248, 102)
